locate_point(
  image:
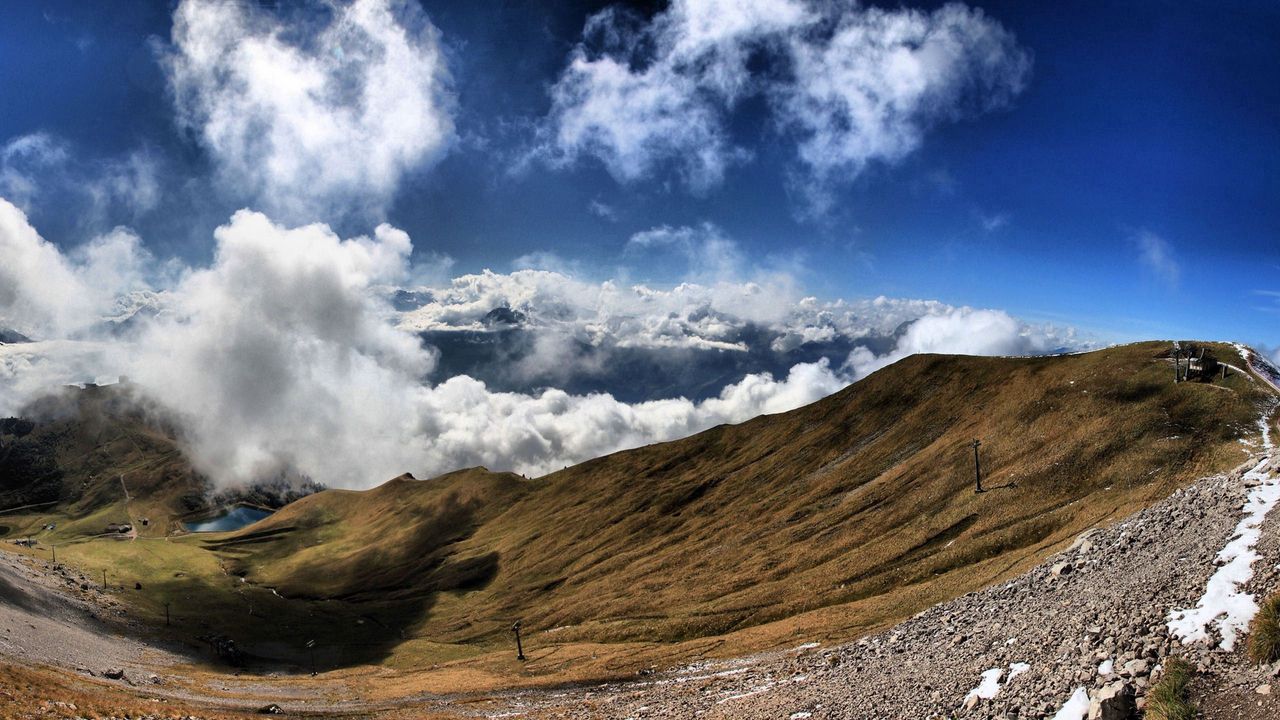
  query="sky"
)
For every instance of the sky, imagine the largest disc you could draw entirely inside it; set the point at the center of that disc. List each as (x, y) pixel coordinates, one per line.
(691, 201)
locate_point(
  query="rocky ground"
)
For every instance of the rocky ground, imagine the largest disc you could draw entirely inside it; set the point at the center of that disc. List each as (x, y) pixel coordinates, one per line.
(52, 614)
(1091, 622)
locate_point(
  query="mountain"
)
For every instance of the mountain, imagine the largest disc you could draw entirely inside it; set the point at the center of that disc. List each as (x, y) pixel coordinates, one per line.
(829, 521)
(854, 512)
(12, 337)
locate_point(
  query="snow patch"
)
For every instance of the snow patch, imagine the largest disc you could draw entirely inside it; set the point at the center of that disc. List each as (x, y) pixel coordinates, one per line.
(990, 684)
(1076, 707)
(1105, 668)
(1224, 604)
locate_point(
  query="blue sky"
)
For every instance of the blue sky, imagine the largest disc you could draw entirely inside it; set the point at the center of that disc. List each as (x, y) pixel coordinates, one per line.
(621, 224)
(1137, 121)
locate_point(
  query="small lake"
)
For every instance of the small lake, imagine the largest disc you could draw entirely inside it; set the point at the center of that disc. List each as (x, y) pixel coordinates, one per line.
(234, 519)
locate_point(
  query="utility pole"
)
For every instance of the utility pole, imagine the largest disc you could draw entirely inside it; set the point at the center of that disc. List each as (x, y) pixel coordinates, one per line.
(104, 579)
(54, 548)
(519, 648)
(977, 467)
(311, 645)
(166, 614)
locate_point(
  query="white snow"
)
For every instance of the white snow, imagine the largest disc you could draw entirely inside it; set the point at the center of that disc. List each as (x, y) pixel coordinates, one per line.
(989, 686)
(1224, 604)
(1076, 707)
(800, 715)
(1105, 668)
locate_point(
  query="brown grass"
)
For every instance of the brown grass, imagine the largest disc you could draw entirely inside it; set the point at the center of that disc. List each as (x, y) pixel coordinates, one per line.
(824, 523)
(846, 515)
(31, 692)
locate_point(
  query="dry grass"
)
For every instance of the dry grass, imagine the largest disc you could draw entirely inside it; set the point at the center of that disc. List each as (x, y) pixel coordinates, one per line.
(1169, 698)
(824, 523)
(841, 517)
(34, 693)
(1264, 632)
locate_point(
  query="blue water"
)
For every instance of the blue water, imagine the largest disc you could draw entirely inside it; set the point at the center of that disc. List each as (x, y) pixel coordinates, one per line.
(233, 519)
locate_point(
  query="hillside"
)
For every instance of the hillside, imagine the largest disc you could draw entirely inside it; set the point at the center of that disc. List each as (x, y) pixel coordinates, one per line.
(76, 452)
(827, 522)
(843, 516)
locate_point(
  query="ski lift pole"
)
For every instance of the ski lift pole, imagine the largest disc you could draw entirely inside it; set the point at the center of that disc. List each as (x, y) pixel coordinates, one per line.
(519, 648)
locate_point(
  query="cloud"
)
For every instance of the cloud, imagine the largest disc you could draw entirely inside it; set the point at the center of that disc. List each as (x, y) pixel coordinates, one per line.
(850, 85)
(992, 223)
(709, 254)
(870, 88)
(603, 211)
(22, 158)
(962, 331)
(637, 342)
(40, 169)
(286, 354)
(308, 122)
(46, 294)
(1156, 256)
(635, 110)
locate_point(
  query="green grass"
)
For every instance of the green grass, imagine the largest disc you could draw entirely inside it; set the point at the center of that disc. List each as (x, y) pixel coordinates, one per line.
(1264, 632)
(1169, 698)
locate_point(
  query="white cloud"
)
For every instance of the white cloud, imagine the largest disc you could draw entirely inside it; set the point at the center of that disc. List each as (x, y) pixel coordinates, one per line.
(314, 126)
(634, 112)
(23, 158)
(1156, 255)
(709, 254)
(602, 211)
(46, 294)
(962, 331)
(854, 85)
(40, 166)
(992, 223)
(871, 88)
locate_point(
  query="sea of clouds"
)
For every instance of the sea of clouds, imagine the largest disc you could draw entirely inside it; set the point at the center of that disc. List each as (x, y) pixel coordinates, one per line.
(287, 352)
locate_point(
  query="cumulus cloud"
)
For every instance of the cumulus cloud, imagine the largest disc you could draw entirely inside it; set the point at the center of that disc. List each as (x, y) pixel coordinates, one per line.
(1156, 256)
(638, 342)
(46, 294)
(961, 331)
(658, 92)
(850, 84)
(870, 88)
(312, 124)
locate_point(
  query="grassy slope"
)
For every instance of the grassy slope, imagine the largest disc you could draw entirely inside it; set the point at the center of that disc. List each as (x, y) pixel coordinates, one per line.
(842, 516)
(861, 504)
